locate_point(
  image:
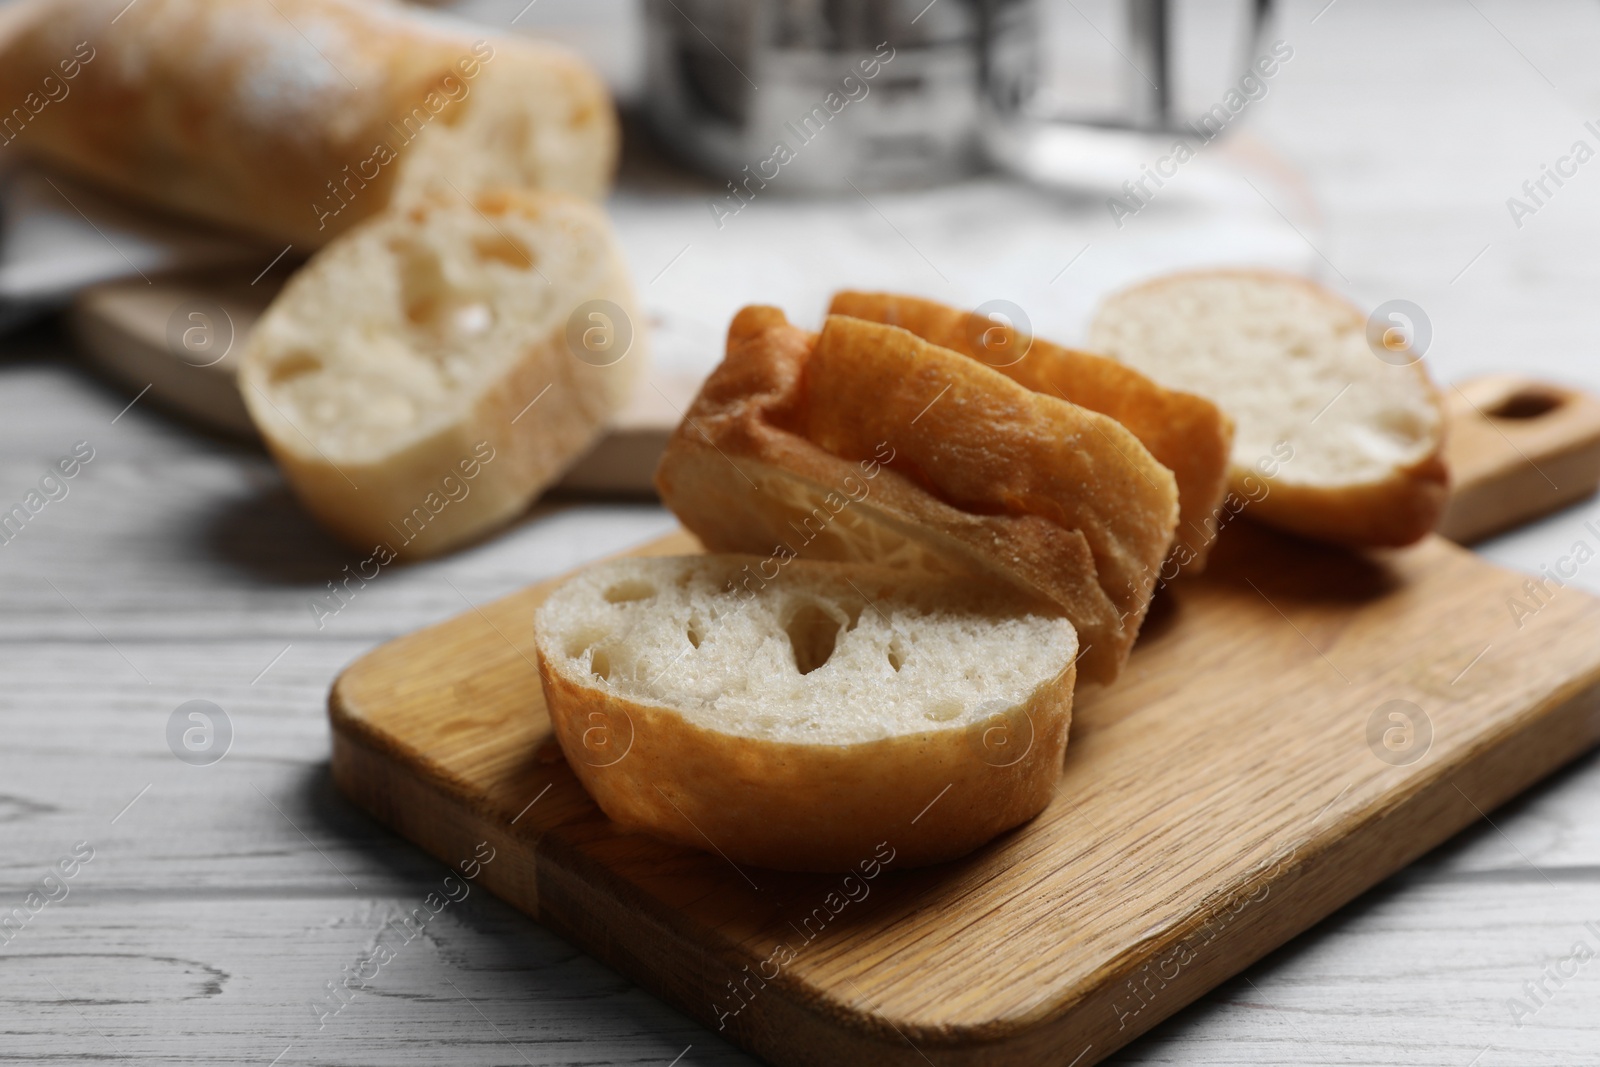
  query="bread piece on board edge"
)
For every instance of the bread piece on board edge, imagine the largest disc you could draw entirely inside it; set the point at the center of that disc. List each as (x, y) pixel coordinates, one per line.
(806, 721)
(1334, 441)
(867, 444)
(1187, 434)
(428, 374)
(225, 110)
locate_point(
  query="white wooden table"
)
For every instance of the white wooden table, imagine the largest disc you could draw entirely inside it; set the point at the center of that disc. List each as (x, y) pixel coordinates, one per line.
(221, 900)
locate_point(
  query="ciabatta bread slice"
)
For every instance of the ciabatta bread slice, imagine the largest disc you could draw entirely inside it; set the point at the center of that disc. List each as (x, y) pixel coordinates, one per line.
(866, 443)
(801, 715)
(1332, 442)
(426, 375)
(1187, 434)
(295, 119)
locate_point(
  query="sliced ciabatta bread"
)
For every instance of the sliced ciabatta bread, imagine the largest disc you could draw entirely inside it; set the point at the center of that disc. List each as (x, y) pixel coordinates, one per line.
(429, 372)
(798, 715)
(1331, 441)
(866, 443)
(1187, 434)
(295, 119)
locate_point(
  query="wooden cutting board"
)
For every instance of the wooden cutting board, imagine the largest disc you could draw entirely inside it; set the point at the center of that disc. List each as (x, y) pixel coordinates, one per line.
(1293, 726)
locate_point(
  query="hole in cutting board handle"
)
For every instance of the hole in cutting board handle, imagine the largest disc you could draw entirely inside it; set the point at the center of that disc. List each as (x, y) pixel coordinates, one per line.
(1529, 402)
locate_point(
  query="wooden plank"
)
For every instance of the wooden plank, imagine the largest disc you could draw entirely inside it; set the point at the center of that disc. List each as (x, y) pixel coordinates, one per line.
(1416, 972)
(176, 975)
(1232, 789)
(1413, 973)
(149, 979)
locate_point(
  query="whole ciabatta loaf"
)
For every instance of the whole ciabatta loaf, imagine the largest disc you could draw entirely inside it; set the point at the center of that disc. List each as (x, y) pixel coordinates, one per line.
(1348, 446)
(865, 443)
(428, 373)
(1187, 434)
(295, 119)
(803, 720)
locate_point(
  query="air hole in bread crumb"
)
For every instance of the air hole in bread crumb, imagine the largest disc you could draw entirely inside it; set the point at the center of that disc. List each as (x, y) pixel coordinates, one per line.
(423, 290)
(813, 633)
(942, 710)
(600, 664)
(629, 590)
(695, 631)
(422, 310)
(580, 642)
(897, 653)
(294, 365)
(503, 249)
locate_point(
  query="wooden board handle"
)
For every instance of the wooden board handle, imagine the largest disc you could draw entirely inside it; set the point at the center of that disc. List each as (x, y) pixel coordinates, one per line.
(1517, 449)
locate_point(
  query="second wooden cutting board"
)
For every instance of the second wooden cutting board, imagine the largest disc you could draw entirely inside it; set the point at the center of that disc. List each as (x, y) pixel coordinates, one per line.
(181, 337)
(1293, 726)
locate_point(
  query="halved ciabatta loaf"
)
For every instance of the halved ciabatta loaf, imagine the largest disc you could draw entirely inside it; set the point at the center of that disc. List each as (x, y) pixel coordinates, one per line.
(866, 443)
(1332, 441)
(295, 119)
(1187, 434)
(800, 715)
(426, 375)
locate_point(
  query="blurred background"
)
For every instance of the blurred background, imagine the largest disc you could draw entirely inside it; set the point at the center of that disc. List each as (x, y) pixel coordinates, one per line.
(1379, 157)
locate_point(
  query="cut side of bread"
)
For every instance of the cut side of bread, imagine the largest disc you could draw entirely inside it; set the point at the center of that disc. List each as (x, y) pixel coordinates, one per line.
(1331, 441)
(866, 443)
(424, 377)
(801, 715)
(535, 117)
(295, 119)
(1186, 433)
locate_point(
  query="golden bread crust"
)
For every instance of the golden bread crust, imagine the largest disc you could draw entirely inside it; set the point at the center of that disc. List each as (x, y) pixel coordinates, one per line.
(1187, 434)
(692, 785)
(1398, 511)
(224, 110)
(922, 457)
(930, 796)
